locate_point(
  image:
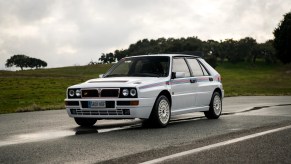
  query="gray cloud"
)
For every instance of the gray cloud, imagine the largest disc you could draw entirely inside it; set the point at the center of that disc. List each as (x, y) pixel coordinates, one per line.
(74, 32)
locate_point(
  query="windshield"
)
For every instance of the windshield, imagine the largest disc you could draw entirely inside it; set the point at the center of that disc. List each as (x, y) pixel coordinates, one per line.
(149, 66)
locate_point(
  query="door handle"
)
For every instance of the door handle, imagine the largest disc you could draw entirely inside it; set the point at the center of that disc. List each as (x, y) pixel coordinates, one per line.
(210, 79)
(193, 80)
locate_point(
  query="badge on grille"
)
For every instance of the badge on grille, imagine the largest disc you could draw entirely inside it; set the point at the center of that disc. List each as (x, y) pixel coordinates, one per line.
(99, 91)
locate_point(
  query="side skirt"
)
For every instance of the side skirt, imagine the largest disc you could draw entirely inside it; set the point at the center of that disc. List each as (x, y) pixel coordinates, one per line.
(189, 110)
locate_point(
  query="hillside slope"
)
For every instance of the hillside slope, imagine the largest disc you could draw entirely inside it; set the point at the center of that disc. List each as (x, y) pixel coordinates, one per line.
(45, 89)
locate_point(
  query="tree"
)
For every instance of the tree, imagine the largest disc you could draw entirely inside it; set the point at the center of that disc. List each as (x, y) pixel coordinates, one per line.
(268, 51)
(245, 49)
(228, 49)
(39, 63)
(119, 54)
(18, 61)
(282, 41)
(107, 58)
(103, 58)
(24, 61)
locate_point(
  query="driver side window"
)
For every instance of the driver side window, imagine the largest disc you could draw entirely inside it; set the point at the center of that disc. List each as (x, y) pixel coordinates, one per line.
(180, 65)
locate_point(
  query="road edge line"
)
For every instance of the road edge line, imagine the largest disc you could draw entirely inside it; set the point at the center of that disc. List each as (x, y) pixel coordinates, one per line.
(216, 145)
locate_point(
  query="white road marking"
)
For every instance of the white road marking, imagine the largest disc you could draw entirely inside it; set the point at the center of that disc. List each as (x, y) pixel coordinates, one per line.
(220, 144)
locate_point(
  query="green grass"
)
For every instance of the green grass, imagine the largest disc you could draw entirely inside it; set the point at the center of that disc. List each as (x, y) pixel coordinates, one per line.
(260, 80)
(44, 89)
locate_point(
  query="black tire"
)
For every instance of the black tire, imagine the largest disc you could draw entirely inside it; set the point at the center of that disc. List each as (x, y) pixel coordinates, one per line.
(215, 107)
(86, 122)
(160, 115)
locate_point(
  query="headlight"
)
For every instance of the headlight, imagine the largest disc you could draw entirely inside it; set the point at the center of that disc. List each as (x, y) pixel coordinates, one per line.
(125, 92)
(78, 93)
(71, 93)
(132, 92)
(129, 92)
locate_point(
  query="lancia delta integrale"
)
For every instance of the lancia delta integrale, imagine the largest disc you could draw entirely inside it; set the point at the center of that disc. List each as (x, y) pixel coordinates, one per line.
(150, 87)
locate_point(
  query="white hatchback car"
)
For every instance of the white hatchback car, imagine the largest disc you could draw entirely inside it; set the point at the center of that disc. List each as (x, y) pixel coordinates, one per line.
(149, 87)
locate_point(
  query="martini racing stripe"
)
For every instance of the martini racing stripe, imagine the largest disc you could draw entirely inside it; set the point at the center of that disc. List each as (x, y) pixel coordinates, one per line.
(174, 82)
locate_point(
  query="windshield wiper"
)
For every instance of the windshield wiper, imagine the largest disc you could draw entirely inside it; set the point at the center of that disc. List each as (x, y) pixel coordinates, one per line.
(145, 75)
(116, 75)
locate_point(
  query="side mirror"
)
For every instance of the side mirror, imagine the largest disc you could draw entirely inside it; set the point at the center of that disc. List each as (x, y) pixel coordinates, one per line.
(101, 75)
(178, 75)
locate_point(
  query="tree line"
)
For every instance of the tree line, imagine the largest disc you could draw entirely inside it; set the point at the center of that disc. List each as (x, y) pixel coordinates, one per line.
(246, 49)
(24, 61)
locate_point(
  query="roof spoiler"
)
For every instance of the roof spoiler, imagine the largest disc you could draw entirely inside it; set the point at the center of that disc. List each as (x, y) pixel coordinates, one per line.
(194, 53)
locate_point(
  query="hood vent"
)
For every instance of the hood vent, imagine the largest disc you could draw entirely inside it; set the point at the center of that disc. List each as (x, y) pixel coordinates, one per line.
(107, 81)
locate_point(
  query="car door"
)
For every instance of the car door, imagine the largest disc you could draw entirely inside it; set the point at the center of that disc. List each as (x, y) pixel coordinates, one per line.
(203, 85)
(182, 89)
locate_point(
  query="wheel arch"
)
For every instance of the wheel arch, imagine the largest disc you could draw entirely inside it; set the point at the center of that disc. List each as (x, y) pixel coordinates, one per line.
(219, 91)
(153, 121)
(167, 94)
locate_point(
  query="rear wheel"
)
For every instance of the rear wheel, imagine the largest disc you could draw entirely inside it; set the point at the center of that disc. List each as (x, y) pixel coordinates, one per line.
(161, 113)
(215, 107)
(86, 122)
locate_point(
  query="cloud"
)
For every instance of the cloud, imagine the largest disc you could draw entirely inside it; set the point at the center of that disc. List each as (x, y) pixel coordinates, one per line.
(75, 32)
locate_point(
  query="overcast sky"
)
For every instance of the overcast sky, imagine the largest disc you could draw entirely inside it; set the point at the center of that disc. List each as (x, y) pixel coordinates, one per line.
(74, 32)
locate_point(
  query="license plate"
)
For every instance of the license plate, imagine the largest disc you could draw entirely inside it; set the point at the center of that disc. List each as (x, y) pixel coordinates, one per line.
(96, 104)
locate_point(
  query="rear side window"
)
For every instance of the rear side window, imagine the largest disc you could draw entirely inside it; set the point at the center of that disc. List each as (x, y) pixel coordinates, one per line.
(180, 65)
(204, 70)
(196, 68)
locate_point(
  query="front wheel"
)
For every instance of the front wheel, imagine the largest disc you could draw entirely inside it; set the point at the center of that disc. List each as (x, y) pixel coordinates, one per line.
(86, 122)
(161, 113)
(215, 107)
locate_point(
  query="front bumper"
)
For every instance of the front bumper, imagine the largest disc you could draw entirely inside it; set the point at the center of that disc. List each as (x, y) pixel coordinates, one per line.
(116, 108)
(222, 92)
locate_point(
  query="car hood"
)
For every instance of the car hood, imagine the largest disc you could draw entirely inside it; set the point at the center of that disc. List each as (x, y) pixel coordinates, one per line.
(119, 82)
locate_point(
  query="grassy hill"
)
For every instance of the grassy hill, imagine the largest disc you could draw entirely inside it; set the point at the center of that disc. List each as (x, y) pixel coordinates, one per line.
(45, 89)
(42, 89)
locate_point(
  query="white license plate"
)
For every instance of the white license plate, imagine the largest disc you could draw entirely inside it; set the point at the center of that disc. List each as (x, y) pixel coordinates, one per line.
(96, 104)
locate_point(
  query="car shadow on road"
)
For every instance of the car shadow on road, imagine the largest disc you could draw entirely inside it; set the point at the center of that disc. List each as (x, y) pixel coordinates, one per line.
(128, 125)
(85, 130)
(115, 125)
(107, 127)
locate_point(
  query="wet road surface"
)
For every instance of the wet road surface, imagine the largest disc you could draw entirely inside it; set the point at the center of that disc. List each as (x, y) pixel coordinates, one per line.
(53, 137)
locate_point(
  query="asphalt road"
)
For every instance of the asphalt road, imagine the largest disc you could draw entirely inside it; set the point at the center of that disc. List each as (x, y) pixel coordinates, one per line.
(53, 137)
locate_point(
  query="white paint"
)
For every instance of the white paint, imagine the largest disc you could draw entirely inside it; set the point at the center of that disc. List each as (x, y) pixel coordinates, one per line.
(213, 146)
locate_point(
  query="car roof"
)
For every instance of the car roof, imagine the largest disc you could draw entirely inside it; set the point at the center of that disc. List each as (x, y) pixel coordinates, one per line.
(170, 55)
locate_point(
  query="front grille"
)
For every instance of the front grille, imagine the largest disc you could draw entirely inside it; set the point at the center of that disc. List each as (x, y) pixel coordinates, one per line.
(101, 112)
(100, 92)
(109, 92)
(90, 93)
